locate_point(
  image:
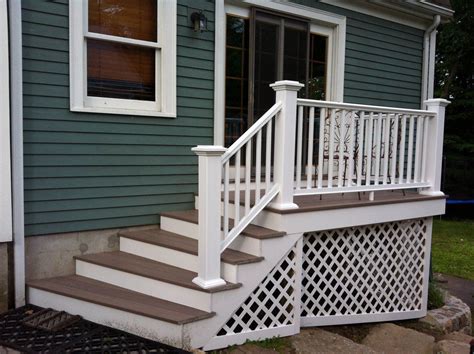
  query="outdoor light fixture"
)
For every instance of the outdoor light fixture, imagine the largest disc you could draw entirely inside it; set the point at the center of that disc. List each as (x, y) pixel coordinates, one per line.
(199, 21)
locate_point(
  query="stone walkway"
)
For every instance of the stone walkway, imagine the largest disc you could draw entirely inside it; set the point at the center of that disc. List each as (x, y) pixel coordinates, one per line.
(385, 338)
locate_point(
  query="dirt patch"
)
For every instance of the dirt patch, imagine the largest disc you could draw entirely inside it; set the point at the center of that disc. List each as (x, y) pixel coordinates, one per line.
(354, 332)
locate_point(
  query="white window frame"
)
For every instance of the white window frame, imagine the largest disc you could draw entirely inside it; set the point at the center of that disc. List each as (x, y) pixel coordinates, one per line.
(324, 23)
(165, 72)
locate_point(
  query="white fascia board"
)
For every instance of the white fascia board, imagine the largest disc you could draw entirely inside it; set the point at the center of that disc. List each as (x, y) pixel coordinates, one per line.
(387, 11)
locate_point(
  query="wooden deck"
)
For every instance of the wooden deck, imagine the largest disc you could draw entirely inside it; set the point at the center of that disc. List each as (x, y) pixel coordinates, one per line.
(309, 203)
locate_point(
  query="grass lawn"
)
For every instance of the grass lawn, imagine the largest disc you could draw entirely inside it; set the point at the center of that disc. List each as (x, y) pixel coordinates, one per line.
(453, 248)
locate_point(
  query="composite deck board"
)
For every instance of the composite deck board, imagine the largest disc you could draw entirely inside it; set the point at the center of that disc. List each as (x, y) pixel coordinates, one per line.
(308, 203)
(177, 242)
(148, 268)
(253, 231)
(104, 294)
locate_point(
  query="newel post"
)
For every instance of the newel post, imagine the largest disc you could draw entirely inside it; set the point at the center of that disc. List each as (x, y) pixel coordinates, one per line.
(285, 137)
(434, 155)
(209, 235)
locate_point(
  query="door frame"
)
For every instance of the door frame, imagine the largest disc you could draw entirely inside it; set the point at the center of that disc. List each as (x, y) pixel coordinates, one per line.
(6, 231)
(324, 23)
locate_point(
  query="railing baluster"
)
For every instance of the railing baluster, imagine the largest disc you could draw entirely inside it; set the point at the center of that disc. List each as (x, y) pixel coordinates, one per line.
(425, 149)
(268, 156)
(361, 143)
(299, 147)
(226, 198)
(237, 188)
(393, 162)
(370, 133)
(419, 132)
(342, 137)
(378, 145)
(248, 169)
(401, 165)
(332, 125)
(320, 171)
(351, 149)
(309, 167)
(258, 166)
(410, 149)
(386, 141)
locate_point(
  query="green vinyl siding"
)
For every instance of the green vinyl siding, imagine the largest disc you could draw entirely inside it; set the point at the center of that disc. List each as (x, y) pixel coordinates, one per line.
(383, 62)
(87, 171)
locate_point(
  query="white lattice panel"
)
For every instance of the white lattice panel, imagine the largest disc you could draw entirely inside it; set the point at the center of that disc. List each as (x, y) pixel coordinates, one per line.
(272, 304)
(354, 274)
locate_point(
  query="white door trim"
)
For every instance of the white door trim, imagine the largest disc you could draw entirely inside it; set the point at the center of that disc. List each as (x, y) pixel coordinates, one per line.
(322, 22)
(6, 231)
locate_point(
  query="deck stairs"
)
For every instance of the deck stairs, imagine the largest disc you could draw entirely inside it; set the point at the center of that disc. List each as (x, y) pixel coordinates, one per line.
(146, 287)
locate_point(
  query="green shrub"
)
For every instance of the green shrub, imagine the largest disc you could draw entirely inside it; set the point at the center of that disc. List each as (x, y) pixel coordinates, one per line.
(435, 296)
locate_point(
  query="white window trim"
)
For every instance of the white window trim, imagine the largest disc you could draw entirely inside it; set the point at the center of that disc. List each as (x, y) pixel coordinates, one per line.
(165, 104)
(5, 160)
(327, 24)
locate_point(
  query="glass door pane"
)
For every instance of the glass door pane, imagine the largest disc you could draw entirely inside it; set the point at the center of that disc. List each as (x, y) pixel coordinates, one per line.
(267, 37)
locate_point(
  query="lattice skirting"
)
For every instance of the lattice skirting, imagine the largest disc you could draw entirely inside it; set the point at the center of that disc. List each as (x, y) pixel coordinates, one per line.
(366, 273)
(273, 308)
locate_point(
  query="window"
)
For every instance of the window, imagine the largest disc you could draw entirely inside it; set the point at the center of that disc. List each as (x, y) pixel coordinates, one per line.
(123, 56)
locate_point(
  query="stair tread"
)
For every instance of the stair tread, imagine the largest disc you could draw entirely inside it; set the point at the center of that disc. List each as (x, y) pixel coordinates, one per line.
(254, 231)
(101, 293)
(186, 244)
(148, 268)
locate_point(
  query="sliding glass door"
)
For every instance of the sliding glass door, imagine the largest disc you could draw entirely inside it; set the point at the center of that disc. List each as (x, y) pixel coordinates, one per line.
(262, 49)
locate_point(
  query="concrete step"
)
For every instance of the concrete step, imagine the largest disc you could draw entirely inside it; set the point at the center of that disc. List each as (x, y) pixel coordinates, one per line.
(148, 277)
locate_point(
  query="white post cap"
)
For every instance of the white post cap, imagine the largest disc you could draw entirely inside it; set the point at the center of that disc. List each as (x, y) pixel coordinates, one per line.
(286, 85)
(437, 102)
(209, 150)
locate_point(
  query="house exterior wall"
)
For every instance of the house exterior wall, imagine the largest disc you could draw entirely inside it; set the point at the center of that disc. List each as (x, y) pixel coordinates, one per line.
(96, 171)
(93, 171)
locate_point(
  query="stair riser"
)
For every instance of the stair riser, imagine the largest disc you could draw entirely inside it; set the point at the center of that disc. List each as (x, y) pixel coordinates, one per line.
(179, 227)
(172, 257)
(147, 327)
(189, 229)
(263, 219)
(156, 288)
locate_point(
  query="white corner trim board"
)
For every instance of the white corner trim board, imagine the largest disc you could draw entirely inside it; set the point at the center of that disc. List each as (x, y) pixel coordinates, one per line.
(16, 108)
(6, 231)
(324, 23)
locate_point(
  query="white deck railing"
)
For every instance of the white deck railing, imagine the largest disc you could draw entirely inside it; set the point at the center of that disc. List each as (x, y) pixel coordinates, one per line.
(312, 147)
(360, 148)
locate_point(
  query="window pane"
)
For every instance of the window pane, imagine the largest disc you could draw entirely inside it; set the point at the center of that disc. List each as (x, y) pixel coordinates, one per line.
(294, 60)
(317, 67)
(266, 66)
(124, 18)
(236, 94)
(120, 71)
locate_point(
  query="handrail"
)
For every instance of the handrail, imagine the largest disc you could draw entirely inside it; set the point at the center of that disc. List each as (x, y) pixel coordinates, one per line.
(361, 107)
(244, 138)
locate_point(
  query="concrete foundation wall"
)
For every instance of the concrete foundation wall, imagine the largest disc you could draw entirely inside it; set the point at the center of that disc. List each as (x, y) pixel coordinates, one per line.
(4, 269)
(53, 255)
